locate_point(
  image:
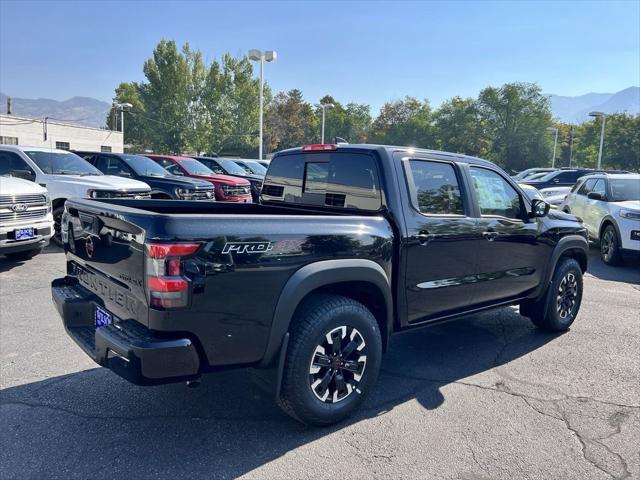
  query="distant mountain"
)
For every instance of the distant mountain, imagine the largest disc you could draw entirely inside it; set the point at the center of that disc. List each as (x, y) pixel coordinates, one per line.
(576, 109)
(81, 110)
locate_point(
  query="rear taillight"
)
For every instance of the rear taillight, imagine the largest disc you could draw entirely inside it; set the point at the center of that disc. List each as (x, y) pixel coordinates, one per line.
(166, 285)
(319, 147)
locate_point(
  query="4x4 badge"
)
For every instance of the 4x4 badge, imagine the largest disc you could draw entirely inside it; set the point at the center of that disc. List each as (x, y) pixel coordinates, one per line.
(247, 247)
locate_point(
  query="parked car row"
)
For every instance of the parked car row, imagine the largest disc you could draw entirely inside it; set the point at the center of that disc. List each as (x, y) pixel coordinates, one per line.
(45, 178)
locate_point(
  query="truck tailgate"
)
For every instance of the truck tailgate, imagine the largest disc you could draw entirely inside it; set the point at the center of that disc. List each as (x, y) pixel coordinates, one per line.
(106, 255)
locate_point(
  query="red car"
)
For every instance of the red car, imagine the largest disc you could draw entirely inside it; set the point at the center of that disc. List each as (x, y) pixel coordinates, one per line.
(227, 188)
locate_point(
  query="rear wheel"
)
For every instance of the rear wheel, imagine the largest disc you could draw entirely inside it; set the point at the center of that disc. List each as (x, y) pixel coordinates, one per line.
(610, 246)
(562, 302)
(333, 359)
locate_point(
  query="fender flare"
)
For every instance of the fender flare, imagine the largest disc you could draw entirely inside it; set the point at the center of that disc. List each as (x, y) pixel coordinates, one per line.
(322, 274)
(569, 242)
(612, 221)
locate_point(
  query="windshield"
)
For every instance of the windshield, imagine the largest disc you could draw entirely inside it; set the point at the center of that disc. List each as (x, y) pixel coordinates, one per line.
(623, 189)
(57, 163)
(231, 167)
(540, 176)
(194, 167)
(255, 167)
(145, 166)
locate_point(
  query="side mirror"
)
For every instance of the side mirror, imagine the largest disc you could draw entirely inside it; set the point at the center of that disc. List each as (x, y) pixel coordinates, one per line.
(595, 196)
(539, 208)
(24, 174)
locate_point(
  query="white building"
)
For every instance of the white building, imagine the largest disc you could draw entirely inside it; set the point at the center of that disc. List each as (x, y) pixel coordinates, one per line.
(54, 134)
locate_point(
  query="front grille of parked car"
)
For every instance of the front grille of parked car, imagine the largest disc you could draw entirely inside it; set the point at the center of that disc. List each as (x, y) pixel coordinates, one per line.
(36, 207)
(273, 190)
(204, 194)
(138, 195)
(236, 190)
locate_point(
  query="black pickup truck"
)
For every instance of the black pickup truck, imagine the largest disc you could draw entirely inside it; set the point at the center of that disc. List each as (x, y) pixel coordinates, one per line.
(350, 244)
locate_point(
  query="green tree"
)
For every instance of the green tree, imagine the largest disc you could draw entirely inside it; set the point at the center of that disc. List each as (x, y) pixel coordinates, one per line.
(459, 128)
(516, 117)
(136, 133)
(404, 122)
(231, 96)
(165, 96)
(621, 147)
(290, 121)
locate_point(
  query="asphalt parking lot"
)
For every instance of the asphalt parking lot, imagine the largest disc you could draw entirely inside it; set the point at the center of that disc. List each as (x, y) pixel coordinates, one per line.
(487, 397)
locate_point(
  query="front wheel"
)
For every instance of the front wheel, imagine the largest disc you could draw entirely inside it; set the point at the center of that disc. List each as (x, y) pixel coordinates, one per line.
(332, 361)
(57, 225)
(562, 301)
(610, 246)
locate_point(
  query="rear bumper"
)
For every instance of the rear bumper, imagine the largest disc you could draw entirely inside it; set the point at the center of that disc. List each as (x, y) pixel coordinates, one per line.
(126, 347)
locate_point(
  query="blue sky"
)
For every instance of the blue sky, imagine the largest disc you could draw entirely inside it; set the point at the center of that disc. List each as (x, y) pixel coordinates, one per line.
(366, 52)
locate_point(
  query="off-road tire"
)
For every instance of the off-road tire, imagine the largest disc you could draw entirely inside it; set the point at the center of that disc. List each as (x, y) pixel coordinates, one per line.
(562, 301)
(316, 317)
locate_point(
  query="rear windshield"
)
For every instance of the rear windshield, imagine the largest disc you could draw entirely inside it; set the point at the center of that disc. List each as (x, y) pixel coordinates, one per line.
(331, 179)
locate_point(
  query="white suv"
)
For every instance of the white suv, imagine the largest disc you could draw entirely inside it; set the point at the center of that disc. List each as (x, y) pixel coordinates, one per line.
(609, 205)
(66, 175)
(26, 223)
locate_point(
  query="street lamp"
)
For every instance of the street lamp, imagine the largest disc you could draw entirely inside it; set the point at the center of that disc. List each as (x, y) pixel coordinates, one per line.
(555, 143)
(324, 106)
(122, 107)
(261, 56)
(604, 120)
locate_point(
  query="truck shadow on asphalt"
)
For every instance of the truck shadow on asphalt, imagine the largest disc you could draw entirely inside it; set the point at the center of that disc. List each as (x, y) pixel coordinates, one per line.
(93, 423)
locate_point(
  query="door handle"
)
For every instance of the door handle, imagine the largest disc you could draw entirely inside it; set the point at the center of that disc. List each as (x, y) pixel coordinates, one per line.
(491, 236)
(425, 237)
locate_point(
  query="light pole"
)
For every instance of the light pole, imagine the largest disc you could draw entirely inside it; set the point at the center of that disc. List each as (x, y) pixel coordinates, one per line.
(324, 106)
(261, 56)
(122, 107)
(555, 143)
(604, 120)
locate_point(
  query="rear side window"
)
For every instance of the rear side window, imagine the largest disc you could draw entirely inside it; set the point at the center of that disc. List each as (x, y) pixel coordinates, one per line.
(437, 191)
(332, 179)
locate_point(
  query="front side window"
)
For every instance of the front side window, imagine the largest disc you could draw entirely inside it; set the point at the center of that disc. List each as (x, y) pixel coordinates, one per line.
(600, 187)
(437, 188)
(58, 163)
(587, 187)
(496, 197)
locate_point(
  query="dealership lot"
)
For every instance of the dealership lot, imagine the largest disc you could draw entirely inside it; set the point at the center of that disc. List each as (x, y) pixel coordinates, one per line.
(484, 397)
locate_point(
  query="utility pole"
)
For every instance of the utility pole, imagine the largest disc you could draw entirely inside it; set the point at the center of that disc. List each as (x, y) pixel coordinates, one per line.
(570, 145)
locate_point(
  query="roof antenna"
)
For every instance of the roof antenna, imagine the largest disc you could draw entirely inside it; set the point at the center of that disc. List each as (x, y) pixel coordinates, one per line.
(339, 140)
